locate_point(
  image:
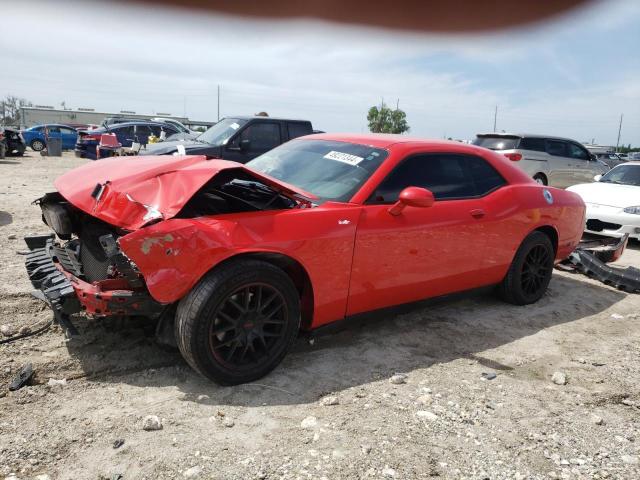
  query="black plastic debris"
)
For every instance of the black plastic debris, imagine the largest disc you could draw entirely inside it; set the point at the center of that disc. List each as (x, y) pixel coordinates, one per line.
(23, 377)
(118, 443)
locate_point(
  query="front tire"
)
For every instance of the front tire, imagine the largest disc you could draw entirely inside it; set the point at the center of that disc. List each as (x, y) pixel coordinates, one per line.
(238, 322)
(530, 272)
(37, 145)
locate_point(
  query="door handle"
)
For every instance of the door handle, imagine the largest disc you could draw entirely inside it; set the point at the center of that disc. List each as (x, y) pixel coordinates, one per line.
(477, 213)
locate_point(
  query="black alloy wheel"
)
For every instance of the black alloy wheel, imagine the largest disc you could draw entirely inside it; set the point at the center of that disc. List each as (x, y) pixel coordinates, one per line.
(239, 321)
(530, 271)
(249, 326)
(535, 270)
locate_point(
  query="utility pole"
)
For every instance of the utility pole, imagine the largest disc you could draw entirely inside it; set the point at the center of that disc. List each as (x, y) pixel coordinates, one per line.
(495, 119)
(218, 102)
(619, 130)
(184, 106)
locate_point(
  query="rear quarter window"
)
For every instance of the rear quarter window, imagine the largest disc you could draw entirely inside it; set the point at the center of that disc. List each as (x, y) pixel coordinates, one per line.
(535, 144)
(298, 129)
(497, 142)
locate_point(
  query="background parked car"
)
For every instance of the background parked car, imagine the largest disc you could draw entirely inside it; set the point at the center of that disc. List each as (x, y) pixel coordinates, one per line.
(555, 161)
(11, 142)
(613, 202)
(35, 137)
(184, 132)
(239, 138)
(127, 133)
(610, 159)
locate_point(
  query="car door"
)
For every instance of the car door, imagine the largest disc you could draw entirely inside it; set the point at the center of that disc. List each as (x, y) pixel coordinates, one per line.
(69, 137)
(561, 170)
(422, 252)
(254, 140)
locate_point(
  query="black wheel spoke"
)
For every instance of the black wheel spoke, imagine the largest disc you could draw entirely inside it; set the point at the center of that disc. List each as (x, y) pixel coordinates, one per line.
(248, 326)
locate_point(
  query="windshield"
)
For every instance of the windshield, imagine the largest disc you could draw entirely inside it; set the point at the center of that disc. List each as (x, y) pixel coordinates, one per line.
(497, 142)
(624, 175)
(221, 132)
(330, 170)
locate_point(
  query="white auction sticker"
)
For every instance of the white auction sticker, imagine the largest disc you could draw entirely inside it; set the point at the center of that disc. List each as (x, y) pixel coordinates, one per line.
(235, 126)
(344, 158)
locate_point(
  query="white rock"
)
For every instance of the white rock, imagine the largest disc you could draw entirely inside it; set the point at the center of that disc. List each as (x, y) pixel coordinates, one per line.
(425, 415)
(227, 422)
(617, 316)
(43, 476)
(57, 383)
(151, 422)
(597, 419)
(330, 400)
(193, 472)
(309, 422)
(629, 459)
(559, 378)
(202, 398)
(388, 472)
(398, 379)
(7, 331)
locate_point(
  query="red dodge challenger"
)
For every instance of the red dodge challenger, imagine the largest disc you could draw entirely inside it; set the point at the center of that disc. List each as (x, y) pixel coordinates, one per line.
(234, 260)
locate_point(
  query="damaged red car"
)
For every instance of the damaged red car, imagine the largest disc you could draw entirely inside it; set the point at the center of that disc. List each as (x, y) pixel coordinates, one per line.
(233, 261)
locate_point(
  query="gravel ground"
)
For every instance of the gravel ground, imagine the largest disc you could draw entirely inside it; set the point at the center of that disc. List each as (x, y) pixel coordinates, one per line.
(459, 389)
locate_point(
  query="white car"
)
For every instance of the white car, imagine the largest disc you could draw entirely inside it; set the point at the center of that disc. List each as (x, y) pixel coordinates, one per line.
(613, 201)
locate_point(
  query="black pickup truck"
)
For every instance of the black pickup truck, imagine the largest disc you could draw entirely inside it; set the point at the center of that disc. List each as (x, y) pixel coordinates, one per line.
(236, 138)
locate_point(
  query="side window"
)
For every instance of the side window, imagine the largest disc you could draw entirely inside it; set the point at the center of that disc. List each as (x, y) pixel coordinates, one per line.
(448, 176)
(535, 144)
(142, 133)
(53, 129)
(67, 131)
(577, 152)
(298, 129)
(263, 136)
(156, 129)
(557, 148)
(126, 132)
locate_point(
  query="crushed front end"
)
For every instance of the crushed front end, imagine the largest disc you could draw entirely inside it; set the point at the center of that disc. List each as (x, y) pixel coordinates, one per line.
(81, 267)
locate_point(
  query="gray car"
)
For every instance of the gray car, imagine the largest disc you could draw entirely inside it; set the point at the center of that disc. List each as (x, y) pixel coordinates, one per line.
(555, 161)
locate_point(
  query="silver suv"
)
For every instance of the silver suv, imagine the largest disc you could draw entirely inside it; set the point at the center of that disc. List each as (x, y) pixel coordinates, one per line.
(559, 162)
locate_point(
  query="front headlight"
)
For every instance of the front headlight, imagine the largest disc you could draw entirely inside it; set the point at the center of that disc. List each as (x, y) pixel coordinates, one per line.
(635, 210)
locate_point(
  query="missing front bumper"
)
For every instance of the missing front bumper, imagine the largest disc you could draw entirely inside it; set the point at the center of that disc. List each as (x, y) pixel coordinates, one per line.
(54, 271)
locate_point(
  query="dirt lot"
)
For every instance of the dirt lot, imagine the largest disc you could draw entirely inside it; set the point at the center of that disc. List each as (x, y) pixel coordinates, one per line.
(330, 410)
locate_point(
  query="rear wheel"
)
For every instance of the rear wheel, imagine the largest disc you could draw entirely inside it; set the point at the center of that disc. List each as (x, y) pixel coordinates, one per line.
(530, 272)
(238, 322)
(540, 178)
(37, 145)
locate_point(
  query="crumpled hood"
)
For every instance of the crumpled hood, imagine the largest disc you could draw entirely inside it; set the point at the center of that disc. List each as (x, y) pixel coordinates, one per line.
(611, 194)
(130, 192)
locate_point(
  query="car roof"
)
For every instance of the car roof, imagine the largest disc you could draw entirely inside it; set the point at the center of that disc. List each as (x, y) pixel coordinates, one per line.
(523, 135)
(381, 140)
(138, 122)
(261, 117)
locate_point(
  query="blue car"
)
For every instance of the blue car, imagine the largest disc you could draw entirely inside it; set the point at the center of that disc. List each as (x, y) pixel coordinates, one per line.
(127, 133)
(35, 136)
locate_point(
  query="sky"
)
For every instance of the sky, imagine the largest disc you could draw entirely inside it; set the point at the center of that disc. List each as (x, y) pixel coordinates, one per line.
(572, 76)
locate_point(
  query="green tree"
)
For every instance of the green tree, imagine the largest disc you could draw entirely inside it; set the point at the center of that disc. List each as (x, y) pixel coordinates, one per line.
(386, 120)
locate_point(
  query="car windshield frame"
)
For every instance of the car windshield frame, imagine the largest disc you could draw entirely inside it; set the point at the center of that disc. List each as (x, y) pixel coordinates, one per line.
(616, 177)
(222, 132)
(332, 170)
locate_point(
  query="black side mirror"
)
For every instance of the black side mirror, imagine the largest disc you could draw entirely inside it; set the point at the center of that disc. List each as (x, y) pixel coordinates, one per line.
(245, 145)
